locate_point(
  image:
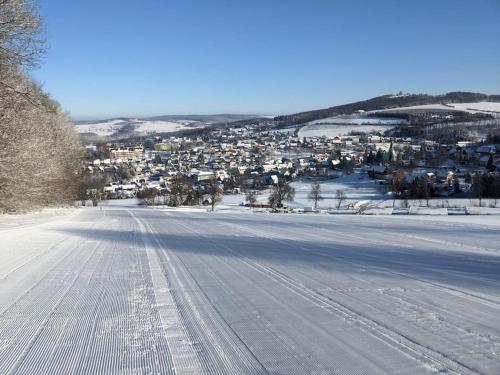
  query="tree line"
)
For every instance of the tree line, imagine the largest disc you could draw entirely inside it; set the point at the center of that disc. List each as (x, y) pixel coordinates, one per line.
(39, 148)
(483, 185)
(182, 192)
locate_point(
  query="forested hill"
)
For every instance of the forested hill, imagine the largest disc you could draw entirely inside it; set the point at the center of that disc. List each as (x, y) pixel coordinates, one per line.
(374, 104)
(384, 102)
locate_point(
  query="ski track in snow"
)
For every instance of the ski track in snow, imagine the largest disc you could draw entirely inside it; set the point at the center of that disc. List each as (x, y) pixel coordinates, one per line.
(127, 290)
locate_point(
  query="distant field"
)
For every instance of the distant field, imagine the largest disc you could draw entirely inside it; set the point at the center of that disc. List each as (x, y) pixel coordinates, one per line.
(158, 124)
(108, 128)
(467, 107)
(335, 130)
(343, 125)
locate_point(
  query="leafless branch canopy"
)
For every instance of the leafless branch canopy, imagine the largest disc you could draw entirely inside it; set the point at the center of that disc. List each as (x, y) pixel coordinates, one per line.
(39, 148)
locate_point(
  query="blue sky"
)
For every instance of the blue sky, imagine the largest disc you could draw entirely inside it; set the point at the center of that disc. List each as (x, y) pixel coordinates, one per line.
(135, 58)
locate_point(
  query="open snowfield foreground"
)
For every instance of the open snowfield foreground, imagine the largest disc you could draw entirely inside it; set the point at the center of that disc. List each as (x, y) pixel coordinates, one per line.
(127, 290)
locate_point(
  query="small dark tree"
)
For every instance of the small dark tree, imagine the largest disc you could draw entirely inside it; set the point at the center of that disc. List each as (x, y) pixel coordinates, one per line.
(180, 189)
(456, 186)
(257, 184)
(125, 173)
(195, 197)
(478, 187)
(148, 195)
(238, 180)
(489, 165)
(423, 189)
(250, 198)
(348, 166)
(496, 188)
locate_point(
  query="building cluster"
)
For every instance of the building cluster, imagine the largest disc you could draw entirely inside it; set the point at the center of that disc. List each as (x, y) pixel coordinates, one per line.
(243, 158)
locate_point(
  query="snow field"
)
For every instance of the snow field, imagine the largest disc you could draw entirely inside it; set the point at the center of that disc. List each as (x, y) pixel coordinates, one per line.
(467, 107)
(131, 290)
(332, 131)
(108, 128)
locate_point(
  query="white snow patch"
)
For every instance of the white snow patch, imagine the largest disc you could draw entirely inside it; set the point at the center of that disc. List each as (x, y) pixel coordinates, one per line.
(467, 107)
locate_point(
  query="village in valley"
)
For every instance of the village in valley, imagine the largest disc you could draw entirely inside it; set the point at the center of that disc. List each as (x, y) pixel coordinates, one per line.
(355, 169)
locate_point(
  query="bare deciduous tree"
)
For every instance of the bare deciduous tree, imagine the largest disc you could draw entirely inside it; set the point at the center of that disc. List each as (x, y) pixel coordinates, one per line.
(148, 196)
(315, 194)
(91, 187)
(181, 187)
(215, 192)
(20, 42)
(281, 191)
(341, 197)
(398, 185)
(39, 147)
(250, 197)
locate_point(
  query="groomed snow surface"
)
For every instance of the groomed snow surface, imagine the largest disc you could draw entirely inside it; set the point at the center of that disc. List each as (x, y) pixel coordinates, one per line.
(128, 290)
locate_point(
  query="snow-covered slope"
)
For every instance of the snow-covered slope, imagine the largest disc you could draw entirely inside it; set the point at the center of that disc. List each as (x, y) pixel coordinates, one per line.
(103, 128)
(158, 124)
(467, 107)
(343, 125)
(332, 130)
(110, 127)
(478, 107)
(165, 126)
(356, 120)
(129, 290)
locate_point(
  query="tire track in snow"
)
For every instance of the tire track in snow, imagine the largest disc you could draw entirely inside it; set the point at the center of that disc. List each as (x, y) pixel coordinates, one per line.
(126, 335)
(467, 339)
(35, 223)
(33, 258)
(32, 338)
(223, 351)
(40, 280)
(18, 335)
(363, 239)
(356, 356)
(69, 252)
(184, 357)
(40, 357)
(426, 355)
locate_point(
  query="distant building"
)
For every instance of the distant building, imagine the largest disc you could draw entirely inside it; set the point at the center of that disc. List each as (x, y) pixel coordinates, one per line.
(127, 153)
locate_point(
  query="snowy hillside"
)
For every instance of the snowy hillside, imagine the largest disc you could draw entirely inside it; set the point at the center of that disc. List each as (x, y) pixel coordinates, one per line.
(129, 290)
(467, 107)
(101, 128)
(110, 127)
(157, 124)
(344, 124)
(332, 130)
(356, 120)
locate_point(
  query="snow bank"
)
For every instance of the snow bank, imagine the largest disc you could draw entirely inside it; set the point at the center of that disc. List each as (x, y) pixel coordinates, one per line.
(483, 211)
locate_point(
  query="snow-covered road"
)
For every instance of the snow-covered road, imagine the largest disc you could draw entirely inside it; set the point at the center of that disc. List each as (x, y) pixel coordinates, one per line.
(141, 291)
